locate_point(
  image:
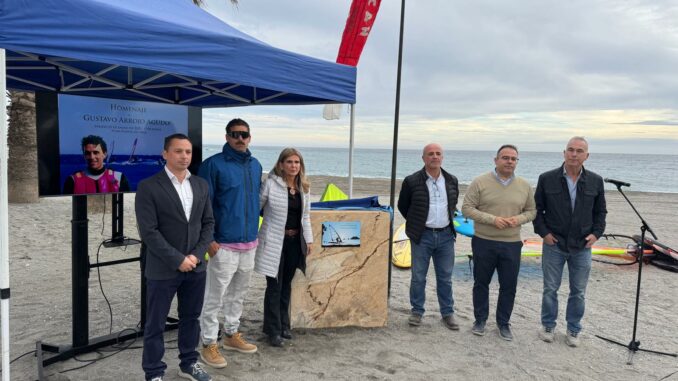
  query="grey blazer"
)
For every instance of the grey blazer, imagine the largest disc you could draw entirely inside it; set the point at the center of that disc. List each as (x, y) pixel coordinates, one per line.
(168, 237)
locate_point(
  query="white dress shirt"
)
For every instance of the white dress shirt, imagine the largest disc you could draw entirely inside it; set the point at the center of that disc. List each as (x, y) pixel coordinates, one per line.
(438, 215)
(184, 191)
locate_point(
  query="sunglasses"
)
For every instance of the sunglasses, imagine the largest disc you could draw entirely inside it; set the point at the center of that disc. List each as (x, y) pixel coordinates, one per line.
(238, 134)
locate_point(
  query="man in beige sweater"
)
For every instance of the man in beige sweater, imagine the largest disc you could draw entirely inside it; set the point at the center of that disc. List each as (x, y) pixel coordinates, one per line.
(498, 202)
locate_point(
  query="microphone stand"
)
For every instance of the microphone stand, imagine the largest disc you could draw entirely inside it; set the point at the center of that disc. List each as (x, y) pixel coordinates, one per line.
(634, 345)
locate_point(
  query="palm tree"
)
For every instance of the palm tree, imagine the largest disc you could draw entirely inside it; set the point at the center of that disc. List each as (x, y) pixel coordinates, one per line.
(22, 162)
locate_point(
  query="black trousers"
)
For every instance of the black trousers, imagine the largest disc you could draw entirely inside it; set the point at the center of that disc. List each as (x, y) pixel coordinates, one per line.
(489, 255)
(190, 290)
(278, 290)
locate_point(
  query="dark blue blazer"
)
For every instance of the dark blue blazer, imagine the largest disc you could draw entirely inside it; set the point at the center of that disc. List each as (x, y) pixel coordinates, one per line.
(163, 227)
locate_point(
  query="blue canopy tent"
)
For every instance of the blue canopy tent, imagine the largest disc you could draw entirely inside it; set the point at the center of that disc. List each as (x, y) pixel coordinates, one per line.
(165, 51)
(153, 50)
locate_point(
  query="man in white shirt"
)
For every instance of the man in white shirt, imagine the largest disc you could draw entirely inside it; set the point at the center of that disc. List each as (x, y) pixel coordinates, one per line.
(428, 199)
(175, 220)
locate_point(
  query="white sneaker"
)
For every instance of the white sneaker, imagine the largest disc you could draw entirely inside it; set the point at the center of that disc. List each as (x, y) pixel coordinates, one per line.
(547, 334)
(572, 339)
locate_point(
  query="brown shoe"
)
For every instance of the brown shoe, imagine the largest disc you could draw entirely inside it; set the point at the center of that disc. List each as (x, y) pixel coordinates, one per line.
(450, 322)
(238, 343)
(210, 355)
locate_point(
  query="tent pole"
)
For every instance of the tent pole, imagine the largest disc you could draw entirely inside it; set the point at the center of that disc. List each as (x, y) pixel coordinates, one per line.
(350, 152)
(395, 138)
(4, 224)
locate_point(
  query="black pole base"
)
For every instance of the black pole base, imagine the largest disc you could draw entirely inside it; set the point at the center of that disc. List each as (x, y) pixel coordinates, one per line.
(65, 352)
(633, 347)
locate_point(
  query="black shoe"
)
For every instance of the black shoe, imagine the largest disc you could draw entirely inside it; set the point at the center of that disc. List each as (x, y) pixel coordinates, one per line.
(275, 341)
(505, 332)
(286, 334)
(478, 328)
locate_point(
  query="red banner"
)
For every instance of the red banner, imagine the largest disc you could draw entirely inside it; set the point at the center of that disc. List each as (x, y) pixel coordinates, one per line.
(358, 26)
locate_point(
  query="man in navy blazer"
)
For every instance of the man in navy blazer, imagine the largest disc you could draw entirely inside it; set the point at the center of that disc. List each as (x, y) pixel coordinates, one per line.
(175, 220)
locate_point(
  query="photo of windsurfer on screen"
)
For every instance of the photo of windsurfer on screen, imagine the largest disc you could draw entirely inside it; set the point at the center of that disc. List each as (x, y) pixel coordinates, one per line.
(96, 178)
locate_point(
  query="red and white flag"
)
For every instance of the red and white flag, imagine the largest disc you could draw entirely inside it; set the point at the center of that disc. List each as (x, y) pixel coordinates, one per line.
(358, 27)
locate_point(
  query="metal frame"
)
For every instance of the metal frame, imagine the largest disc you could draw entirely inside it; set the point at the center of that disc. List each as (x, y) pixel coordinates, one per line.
(23, 66)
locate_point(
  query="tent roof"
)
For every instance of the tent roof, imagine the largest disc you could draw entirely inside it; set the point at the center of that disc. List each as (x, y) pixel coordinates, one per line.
(157, 50)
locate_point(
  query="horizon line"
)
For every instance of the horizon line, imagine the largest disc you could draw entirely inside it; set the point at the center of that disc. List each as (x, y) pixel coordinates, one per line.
(457, 150)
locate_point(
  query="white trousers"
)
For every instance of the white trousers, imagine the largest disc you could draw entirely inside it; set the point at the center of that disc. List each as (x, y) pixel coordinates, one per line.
(228, 278)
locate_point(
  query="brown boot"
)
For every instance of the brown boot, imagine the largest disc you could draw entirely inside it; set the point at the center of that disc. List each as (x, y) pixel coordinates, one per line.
(238, 343)
(210, 355)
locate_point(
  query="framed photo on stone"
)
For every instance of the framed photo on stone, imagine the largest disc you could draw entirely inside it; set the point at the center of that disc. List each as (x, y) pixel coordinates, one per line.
(344, 233)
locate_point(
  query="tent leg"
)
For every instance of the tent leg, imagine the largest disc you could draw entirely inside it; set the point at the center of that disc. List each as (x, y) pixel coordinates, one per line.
(4, 224)
(350, 152)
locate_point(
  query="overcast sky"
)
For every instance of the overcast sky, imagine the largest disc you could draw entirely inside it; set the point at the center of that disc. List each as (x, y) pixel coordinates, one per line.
(477, 74)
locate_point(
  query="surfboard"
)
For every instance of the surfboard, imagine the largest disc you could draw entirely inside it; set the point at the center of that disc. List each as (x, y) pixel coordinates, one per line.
(532, 248)
(664, 256)
(462, 224)
(402, 248)
(402, 254)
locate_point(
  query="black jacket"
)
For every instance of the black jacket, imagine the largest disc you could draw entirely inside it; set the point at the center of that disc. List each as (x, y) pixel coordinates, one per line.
(163, 227)
(555, 215)
(413, 202)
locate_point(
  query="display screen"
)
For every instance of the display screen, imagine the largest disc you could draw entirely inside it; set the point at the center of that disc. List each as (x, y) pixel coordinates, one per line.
(96, 145)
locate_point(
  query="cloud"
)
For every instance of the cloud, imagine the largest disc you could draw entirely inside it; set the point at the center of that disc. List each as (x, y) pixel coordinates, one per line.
(482, 72)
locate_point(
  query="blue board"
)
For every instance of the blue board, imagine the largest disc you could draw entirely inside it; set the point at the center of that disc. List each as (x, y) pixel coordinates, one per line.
(463, 225)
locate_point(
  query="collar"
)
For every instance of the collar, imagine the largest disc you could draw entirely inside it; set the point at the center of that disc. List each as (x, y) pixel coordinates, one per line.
(425, 174)
(172, 176)
(581, 171)
(230, 153)
(496, 175)
(428, 175)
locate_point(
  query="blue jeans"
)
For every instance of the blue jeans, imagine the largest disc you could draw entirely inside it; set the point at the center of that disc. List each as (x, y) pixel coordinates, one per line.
(439, 246)
(578, 267)
(488, 256)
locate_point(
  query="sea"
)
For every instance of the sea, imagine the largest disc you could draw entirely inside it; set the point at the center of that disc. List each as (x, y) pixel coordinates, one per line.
(645, 173)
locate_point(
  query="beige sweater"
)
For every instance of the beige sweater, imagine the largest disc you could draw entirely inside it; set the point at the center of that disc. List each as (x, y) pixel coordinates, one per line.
(486, 199)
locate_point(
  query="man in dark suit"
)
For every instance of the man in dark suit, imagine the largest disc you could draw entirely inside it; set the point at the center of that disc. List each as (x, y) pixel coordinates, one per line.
(175, 220)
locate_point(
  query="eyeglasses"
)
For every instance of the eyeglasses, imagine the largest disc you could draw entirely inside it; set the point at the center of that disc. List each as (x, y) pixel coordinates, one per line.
(239, 134)
(436, 192)
(509, 158)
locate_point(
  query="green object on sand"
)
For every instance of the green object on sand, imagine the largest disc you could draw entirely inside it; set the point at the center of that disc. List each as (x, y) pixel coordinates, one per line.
(333, 193)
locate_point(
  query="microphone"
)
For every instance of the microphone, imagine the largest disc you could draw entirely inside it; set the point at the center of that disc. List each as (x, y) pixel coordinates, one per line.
(617, 182)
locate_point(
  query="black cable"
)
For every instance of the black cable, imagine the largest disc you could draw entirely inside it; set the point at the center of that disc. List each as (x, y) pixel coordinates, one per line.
(614, 263)
(20, 356)
(25, 354)
(101, 355)
(103, 217)
(667, 376)
(101, 287)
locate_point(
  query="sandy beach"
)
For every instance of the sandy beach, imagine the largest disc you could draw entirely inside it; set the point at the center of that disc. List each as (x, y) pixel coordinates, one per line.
(40, 266)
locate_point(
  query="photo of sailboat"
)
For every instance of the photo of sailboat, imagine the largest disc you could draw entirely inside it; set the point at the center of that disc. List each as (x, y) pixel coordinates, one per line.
(341, 233)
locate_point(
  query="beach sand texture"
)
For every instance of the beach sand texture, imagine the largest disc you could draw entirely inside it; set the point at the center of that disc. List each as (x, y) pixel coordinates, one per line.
(40, 266)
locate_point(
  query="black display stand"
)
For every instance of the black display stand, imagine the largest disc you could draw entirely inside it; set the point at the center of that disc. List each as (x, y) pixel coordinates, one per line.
(81, 342)
(634, 345)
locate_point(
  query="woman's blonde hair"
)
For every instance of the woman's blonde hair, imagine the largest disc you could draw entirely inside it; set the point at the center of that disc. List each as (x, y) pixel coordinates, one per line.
(301, 177)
